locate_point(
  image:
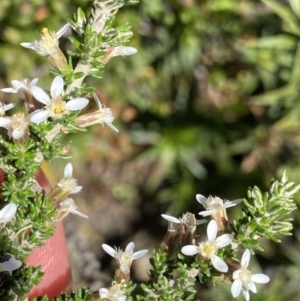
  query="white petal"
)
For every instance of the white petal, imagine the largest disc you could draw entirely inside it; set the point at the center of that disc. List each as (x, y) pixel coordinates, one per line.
(139, 254)
(68, 172)
(104, 293)
(5, 122)
(129, 248)
(245, 259)
(202, 200)
(9, 90)
(76, 212)
(200, 221)
(109, 250)
(9, 106)
(38, 116)
(260, 278)
(212, 230)
(189, 250)
(76, 190)
(27, 45)
(224, 240)
(236, 274)
(62, 30)
(33, 82)
(57, 86)
(206, 212)
(252, 287)
(10, 265)
(124, 51)
(17, 84)
(8, 212)
(236, 288)
(40, 95)
(233, 203)
(246, 295)
(77, 104)
(219, 264)
(17, 133)
(171, 218)
(111, 126)
(97, 100)
(125, 269)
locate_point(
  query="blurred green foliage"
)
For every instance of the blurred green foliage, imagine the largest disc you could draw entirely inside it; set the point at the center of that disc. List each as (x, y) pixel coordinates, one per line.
(214, 87)
(209, 104)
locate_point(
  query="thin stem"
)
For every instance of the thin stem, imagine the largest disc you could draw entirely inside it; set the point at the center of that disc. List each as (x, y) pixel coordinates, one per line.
(23, 229)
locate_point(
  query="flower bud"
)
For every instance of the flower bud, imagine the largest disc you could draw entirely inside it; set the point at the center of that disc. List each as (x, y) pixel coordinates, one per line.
(102, 116)
(66, 186)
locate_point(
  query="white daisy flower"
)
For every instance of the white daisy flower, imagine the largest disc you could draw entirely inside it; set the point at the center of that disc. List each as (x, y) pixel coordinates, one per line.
(16, 125)
(68, 183)
(244, 281)
(21, 86)
(103, 116)
(55, 107)
(68, 206)
(7, 213)
(214, 205)
(66, 186)
(209, 249)
(187, 219)
(48, 44)
(23, 89)
(181, 231)
(4, 108)
(124, 258)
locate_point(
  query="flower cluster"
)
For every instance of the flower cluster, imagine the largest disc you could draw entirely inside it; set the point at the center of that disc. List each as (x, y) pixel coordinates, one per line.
(209, 249)
(55, 107)
(35, 133)
(59, 195)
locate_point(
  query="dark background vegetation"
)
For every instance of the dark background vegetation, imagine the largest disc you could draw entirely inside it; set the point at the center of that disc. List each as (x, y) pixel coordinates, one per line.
(210, 104)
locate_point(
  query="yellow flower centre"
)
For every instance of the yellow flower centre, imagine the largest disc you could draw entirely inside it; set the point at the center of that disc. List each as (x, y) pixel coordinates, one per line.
(207, 248)
(58, 110)
(245, 276)
(46, 34)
